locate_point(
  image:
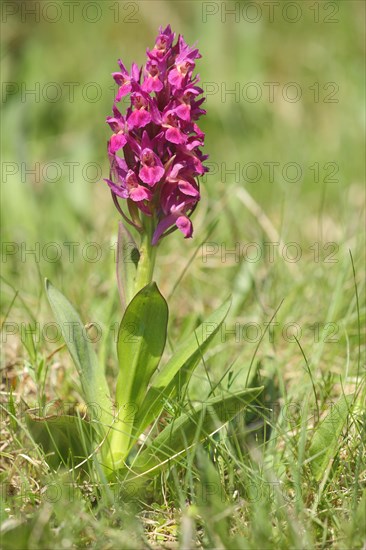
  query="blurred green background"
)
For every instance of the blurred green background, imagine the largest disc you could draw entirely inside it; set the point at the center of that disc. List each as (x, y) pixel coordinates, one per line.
(309, 53)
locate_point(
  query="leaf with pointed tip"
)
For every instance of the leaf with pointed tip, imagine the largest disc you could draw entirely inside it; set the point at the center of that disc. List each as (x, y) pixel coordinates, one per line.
(170, 380)
(141, 342)
(92, 376)
(326, 437)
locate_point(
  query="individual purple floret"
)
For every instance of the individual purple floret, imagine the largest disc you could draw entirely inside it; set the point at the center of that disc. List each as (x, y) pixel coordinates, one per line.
(154, 151)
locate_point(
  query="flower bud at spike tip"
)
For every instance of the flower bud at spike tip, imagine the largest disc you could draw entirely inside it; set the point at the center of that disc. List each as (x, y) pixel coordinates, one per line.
(158, 137)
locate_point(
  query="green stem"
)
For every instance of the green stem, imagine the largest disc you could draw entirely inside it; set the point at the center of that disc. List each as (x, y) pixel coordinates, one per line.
(146, 263)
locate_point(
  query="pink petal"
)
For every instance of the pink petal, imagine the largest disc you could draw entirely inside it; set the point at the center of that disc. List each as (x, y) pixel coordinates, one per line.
(187, 188)
(175, 135)
(116, 142)
(175, 170)
(151, 174)
(121, 163)
(139, 193)
(198, 166)
(123, 90)
(145, 141)
(184, 225)
(152, 84)
(198, 131)
(122, 67)
(117, 190)
(175, 78)
(138, 119)
(114, 123)
(120, 78)
(193, 143)
(135, 72)
(184, 111)
(162, 226)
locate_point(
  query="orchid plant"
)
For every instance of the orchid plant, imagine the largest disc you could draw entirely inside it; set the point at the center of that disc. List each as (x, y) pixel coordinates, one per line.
(155, 160)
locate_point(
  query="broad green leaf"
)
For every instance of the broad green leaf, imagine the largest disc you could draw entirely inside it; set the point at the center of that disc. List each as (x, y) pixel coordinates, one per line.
(191, 427)
(141, 342)
(64, 438)
(325, 439)
(127, 262)
(172, 377)
(92, 377)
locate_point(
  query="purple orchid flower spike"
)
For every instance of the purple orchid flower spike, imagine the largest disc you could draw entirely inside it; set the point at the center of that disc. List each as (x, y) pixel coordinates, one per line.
(158, 138)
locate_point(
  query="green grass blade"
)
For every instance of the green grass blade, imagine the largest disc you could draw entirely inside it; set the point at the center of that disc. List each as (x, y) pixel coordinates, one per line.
(204, 419)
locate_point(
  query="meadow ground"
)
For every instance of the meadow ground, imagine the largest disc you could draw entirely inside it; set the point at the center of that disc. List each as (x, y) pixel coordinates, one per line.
(280, 228)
